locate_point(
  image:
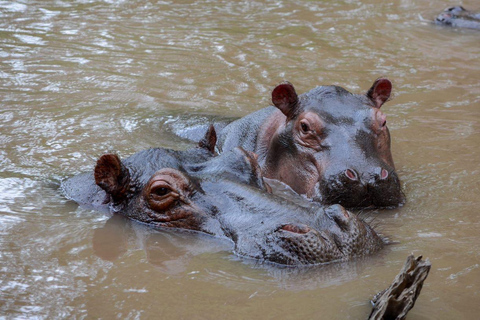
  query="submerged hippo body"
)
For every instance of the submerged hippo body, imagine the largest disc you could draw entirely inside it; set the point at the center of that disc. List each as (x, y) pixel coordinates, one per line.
(226, 197)
(328, 144)
(459, 17)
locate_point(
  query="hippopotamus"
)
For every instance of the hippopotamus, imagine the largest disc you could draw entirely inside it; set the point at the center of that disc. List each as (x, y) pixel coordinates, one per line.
(459, 17)
(328, 144)
(224, 196)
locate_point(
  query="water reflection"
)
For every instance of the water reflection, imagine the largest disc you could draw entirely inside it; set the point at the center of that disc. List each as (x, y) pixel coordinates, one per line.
(110, 241)
(170, 252)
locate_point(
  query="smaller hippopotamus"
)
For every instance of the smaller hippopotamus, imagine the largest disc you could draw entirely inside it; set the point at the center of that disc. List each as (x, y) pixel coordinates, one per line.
(224, 196)
(459, 17)
(328, 144)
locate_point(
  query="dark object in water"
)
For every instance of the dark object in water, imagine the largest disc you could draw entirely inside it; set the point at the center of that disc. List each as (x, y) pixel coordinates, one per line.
(397, 300)
(459, 17)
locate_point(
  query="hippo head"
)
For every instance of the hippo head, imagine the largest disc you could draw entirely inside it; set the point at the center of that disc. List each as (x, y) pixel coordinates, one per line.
(335, 146)
(458, 16)
(166, 188)
(164, 199)
(153, 186)
(448, 16)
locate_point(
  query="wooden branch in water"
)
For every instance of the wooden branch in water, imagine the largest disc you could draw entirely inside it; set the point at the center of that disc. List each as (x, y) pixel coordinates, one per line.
(395, 301)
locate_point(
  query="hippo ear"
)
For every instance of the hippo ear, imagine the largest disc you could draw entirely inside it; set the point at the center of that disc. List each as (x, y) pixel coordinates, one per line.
(210, 140)
(380, 91)
(285, 98)
(112, 176)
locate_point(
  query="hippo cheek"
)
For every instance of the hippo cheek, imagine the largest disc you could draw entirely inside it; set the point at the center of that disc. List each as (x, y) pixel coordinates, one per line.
(301, 175)
(182, 215)
(304, 175)
(297, 244)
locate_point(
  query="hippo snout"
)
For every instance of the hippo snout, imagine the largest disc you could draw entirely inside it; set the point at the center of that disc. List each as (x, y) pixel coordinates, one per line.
(301, 244)
(377, 174)
(339, 215)
(339, 235)
(353, 236)
(351, 174)
(351, 187)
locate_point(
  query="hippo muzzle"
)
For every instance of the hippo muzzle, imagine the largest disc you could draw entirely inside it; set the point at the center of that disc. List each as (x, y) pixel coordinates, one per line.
(377, 188)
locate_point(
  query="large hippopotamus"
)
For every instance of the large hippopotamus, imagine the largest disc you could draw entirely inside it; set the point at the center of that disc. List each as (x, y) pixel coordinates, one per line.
(459, 17)
(328, 144)
(224, 196)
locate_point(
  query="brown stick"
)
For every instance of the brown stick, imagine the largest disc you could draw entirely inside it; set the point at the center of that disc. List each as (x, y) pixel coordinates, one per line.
(395, 301)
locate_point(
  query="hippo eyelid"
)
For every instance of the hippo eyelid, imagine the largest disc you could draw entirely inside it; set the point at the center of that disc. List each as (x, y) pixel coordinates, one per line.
(160, 184)
(161, 202)
(169, 195)
(161, 191)
(304, 126)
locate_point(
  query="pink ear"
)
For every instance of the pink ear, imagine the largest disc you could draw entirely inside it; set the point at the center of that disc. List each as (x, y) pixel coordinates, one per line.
(380, 91)
(285, 98)
(112, 176)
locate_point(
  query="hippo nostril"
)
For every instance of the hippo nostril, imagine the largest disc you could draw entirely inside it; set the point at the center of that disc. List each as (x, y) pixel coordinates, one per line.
(351, 174)
(383, 174)
(300, 229)
(338, 214)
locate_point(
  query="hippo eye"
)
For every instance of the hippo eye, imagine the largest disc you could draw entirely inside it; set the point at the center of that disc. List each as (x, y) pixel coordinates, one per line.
(166, 188)
(161, 197)
(384, 123)
(304, 127)
(161, 191)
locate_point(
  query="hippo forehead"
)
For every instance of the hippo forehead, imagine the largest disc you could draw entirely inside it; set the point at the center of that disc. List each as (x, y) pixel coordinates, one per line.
(336, 105)
(144, 164)
(194, 164)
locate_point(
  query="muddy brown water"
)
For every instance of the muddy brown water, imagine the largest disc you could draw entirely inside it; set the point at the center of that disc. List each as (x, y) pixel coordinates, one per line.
(82, 78)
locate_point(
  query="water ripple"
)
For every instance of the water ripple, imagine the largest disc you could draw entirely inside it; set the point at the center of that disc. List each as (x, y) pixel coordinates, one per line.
(82, 78)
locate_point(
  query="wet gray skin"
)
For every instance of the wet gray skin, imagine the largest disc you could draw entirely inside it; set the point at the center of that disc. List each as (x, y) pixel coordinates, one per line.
(459, 17)
(226, 197)
(329, 144)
